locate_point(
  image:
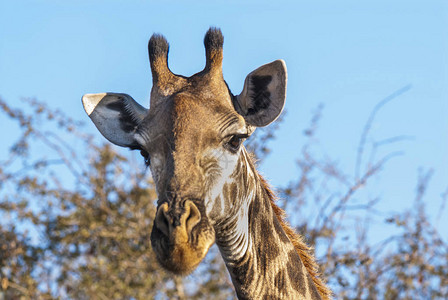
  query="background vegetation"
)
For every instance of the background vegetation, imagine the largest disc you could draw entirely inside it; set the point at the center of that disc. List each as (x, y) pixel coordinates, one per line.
(76, 217)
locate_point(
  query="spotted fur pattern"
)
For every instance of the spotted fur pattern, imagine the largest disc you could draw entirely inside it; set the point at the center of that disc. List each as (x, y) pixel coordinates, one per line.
(265, 257)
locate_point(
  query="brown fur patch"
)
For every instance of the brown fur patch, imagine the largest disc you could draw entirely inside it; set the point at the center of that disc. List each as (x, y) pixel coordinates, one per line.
(305, 252)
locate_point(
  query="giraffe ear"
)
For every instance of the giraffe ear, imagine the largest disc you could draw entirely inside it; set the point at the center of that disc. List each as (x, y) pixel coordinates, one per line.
(116, 116)
(263, 95)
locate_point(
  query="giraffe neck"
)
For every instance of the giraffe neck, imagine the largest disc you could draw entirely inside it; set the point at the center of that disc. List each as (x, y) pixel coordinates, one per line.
(261, 259)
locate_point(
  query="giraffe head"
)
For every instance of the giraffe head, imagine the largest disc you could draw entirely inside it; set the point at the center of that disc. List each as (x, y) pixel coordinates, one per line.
(191, 138)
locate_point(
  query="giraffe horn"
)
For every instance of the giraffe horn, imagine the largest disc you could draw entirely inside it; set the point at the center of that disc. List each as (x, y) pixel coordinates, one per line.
(162, 77)
(213, 42)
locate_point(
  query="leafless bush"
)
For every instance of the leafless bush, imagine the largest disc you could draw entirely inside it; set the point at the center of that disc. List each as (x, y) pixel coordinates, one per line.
(76, 218)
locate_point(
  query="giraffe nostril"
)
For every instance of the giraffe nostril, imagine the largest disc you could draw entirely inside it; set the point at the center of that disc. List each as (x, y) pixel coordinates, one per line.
(161, 220)
(193, 215)
(186, 219)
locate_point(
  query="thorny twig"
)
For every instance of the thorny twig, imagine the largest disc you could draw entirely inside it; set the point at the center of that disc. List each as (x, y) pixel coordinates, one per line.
(369, 123)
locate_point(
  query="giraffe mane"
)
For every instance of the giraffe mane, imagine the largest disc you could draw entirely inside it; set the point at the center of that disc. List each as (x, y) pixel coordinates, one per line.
(305, 252)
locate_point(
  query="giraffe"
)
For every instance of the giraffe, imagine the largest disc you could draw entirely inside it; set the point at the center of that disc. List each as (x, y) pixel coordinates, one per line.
(208, 188)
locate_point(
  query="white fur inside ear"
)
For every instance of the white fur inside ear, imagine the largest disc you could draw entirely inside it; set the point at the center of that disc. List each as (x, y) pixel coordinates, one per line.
(90, 101)
(263, 95)
(115, 115)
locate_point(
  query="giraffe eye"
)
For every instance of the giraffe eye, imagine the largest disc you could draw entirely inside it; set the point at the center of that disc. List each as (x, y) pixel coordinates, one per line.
(234, 143)
(146, 157)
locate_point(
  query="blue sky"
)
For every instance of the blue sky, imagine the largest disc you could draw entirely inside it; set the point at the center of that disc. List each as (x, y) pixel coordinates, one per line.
(347, 55)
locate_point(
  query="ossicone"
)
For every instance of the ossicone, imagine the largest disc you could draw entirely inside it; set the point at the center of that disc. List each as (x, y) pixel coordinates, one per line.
(158, 57)
(158, 48)
(164, 81)
(213, 42)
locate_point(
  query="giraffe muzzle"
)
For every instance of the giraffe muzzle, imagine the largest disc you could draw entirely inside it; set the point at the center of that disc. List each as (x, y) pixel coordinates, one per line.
(181, 236)
(177, 222)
